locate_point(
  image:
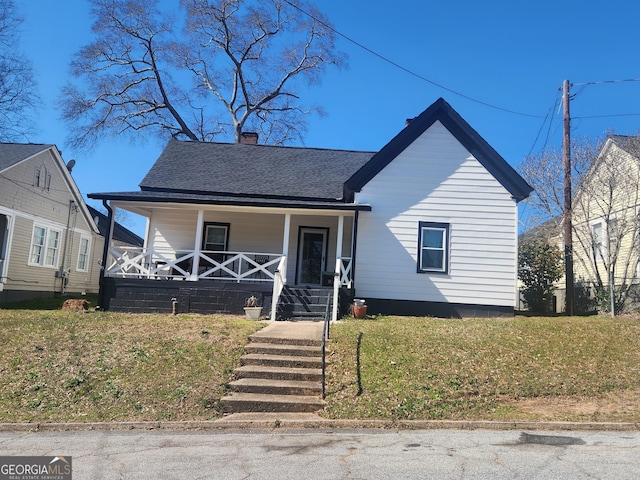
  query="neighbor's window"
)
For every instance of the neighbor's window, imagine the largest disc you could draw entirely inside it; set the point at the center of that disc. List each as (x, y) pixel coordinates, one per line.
(45, 247)
(83, 254)
(216, 237)
(597, 239)
(433, 248)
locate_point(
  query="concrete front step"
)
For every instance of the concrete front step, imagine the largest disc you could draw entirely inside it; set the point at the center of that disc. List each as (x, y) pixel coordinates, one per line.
(306, 315)
(281, 361)
(279, 373)
(251, 402)
(309, 342)
(276, 387)
(283, 349)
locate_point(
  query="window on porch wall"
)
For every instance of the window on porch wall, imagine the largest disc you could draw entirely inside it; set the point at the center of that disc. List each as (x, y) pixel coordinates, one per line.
(215, 239)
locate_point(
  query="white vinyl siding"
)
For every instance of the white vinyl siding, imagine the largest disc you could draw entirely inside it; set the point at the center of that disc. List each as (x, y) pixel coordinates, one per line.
(438, 180)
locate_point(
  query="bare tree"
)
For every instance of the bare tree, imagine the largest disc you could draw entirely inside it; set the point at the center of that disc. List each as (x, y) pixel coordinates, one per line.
(125, 81)
(235, 65)
(606, 227)
(545, 173)
(19, 99)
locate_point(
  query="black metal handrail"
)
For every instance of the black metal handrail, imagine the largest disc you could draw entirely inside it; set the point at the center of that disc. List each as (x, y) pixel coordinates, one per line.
(325, 337)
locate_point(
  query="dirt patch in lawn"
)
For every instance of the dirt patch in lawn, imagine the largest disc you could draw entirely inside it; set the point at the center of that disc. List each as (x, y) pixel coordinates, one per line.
(612, 407)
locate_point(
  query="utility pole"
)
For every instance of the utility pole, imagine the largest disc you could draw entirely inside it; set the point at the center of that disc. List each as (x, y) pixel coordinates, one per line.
(568, 239)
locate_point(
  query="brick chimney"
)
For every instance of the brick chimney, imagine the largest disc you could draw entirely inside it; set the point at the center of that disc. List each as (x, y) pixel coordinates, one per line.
(249, 138)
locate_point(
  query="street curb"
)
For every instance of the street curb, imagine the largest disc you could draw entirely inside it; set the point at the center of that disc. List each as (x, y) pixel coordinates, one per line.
(273, 421)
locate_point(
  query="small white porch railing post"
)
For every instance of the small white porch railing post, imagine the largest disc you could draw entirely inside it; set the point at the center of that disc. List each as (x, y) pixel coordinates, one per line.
(337, 273)
(336, 290)
(279, 280)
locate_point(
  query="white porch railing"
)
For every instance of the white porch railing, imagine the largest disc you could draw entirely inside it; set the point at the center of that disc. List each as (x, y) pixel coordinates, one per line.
(134, 262)
(280, 280)
(344, 268)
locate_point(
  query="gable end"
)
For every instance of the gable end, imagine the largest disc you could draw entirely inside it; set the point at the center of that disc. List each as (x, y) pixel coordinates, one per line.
(441, 111)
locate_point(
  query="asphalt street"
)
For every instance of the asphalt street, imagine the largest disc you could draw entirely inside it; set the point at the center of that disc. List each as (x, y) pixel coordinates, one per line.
(336, 454)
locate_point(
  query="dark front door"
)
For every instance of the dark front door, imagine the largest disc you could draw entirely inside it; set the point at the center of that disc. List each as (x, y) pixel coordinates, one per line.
(312, 248)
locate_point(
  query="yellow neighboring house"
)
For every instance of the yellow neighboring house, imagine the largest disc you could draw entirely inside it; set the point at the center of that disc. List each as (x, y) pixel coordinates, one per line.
(606, 223)
(49, 242)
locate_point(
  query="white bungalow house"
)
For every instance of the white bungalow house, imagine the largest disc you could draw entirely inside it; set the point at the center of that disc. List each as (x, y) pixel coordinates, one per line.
(425, 226)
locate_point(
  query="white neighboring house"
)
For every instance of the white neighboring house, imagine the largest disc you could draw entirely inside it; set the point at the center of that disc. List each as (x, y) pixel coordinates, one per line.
(49, 243)
(425, 226)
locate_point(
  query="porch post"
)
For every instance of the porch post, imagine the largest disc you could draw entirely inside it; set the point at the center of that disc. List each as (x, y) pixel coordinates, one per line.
(102, 298)
(336, 276)
(287, 230)
(196, 247)
(281, 276)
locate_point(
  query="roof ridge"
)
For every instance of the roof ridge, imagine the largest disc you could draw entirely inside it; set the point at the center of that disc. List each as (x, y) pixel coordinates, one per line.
(262, 145)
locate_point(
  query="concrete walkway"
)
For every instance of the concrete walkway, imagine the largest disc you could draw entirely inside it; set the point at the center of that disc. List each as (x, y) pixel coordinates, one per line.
(292, 331)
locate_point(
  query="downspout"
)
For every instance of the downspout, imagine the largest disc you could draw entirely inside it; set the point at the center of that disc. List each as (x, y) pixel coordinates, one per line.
(105, 255)
(354, 242)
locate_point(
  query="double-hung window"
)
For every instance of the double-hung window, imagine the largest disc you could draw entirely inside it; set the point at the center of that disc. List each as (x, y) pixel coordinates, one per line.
(433, 247)
(216, 239)
(45, 246)
(83, 254)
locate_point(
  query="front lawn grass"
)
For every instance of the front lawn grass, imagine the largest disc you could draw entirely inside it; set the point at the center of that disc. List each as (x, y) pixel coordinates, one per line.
(523, 368)
(65, 366)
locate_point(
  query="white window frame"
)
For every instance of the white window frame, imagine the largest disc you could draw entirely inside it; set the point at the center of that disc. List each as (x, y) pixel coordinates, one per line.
(44, 257)
(444, 229)
(83, 255)
(598, 241)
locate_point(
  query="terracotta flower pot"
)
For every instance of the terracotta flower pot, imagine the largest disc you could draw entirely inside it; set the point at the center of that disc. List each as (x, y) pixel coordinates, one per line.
(359, 311)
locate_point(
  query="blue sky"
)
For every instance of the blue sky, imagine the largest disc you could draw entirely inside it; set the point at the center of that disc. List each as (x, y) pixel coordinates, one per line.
(509, 54)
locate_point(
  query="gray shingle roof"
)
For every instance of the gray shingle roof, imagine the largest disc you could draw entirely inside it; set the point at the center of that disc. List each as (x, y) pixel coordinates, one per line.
(120, 233)
(13, 153)
(628, 143)
(253, 170)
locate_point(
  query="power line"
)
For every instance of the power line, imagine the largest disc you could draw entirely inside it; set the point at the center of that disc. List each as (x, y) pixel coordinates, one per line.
(406, 70)
(607, 116)
(551, 113)
(605, 81)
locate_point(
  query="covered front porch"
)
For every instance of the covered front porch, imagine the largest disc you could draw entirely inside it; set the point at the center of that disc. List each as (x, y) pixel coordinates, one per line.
(235, 251)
